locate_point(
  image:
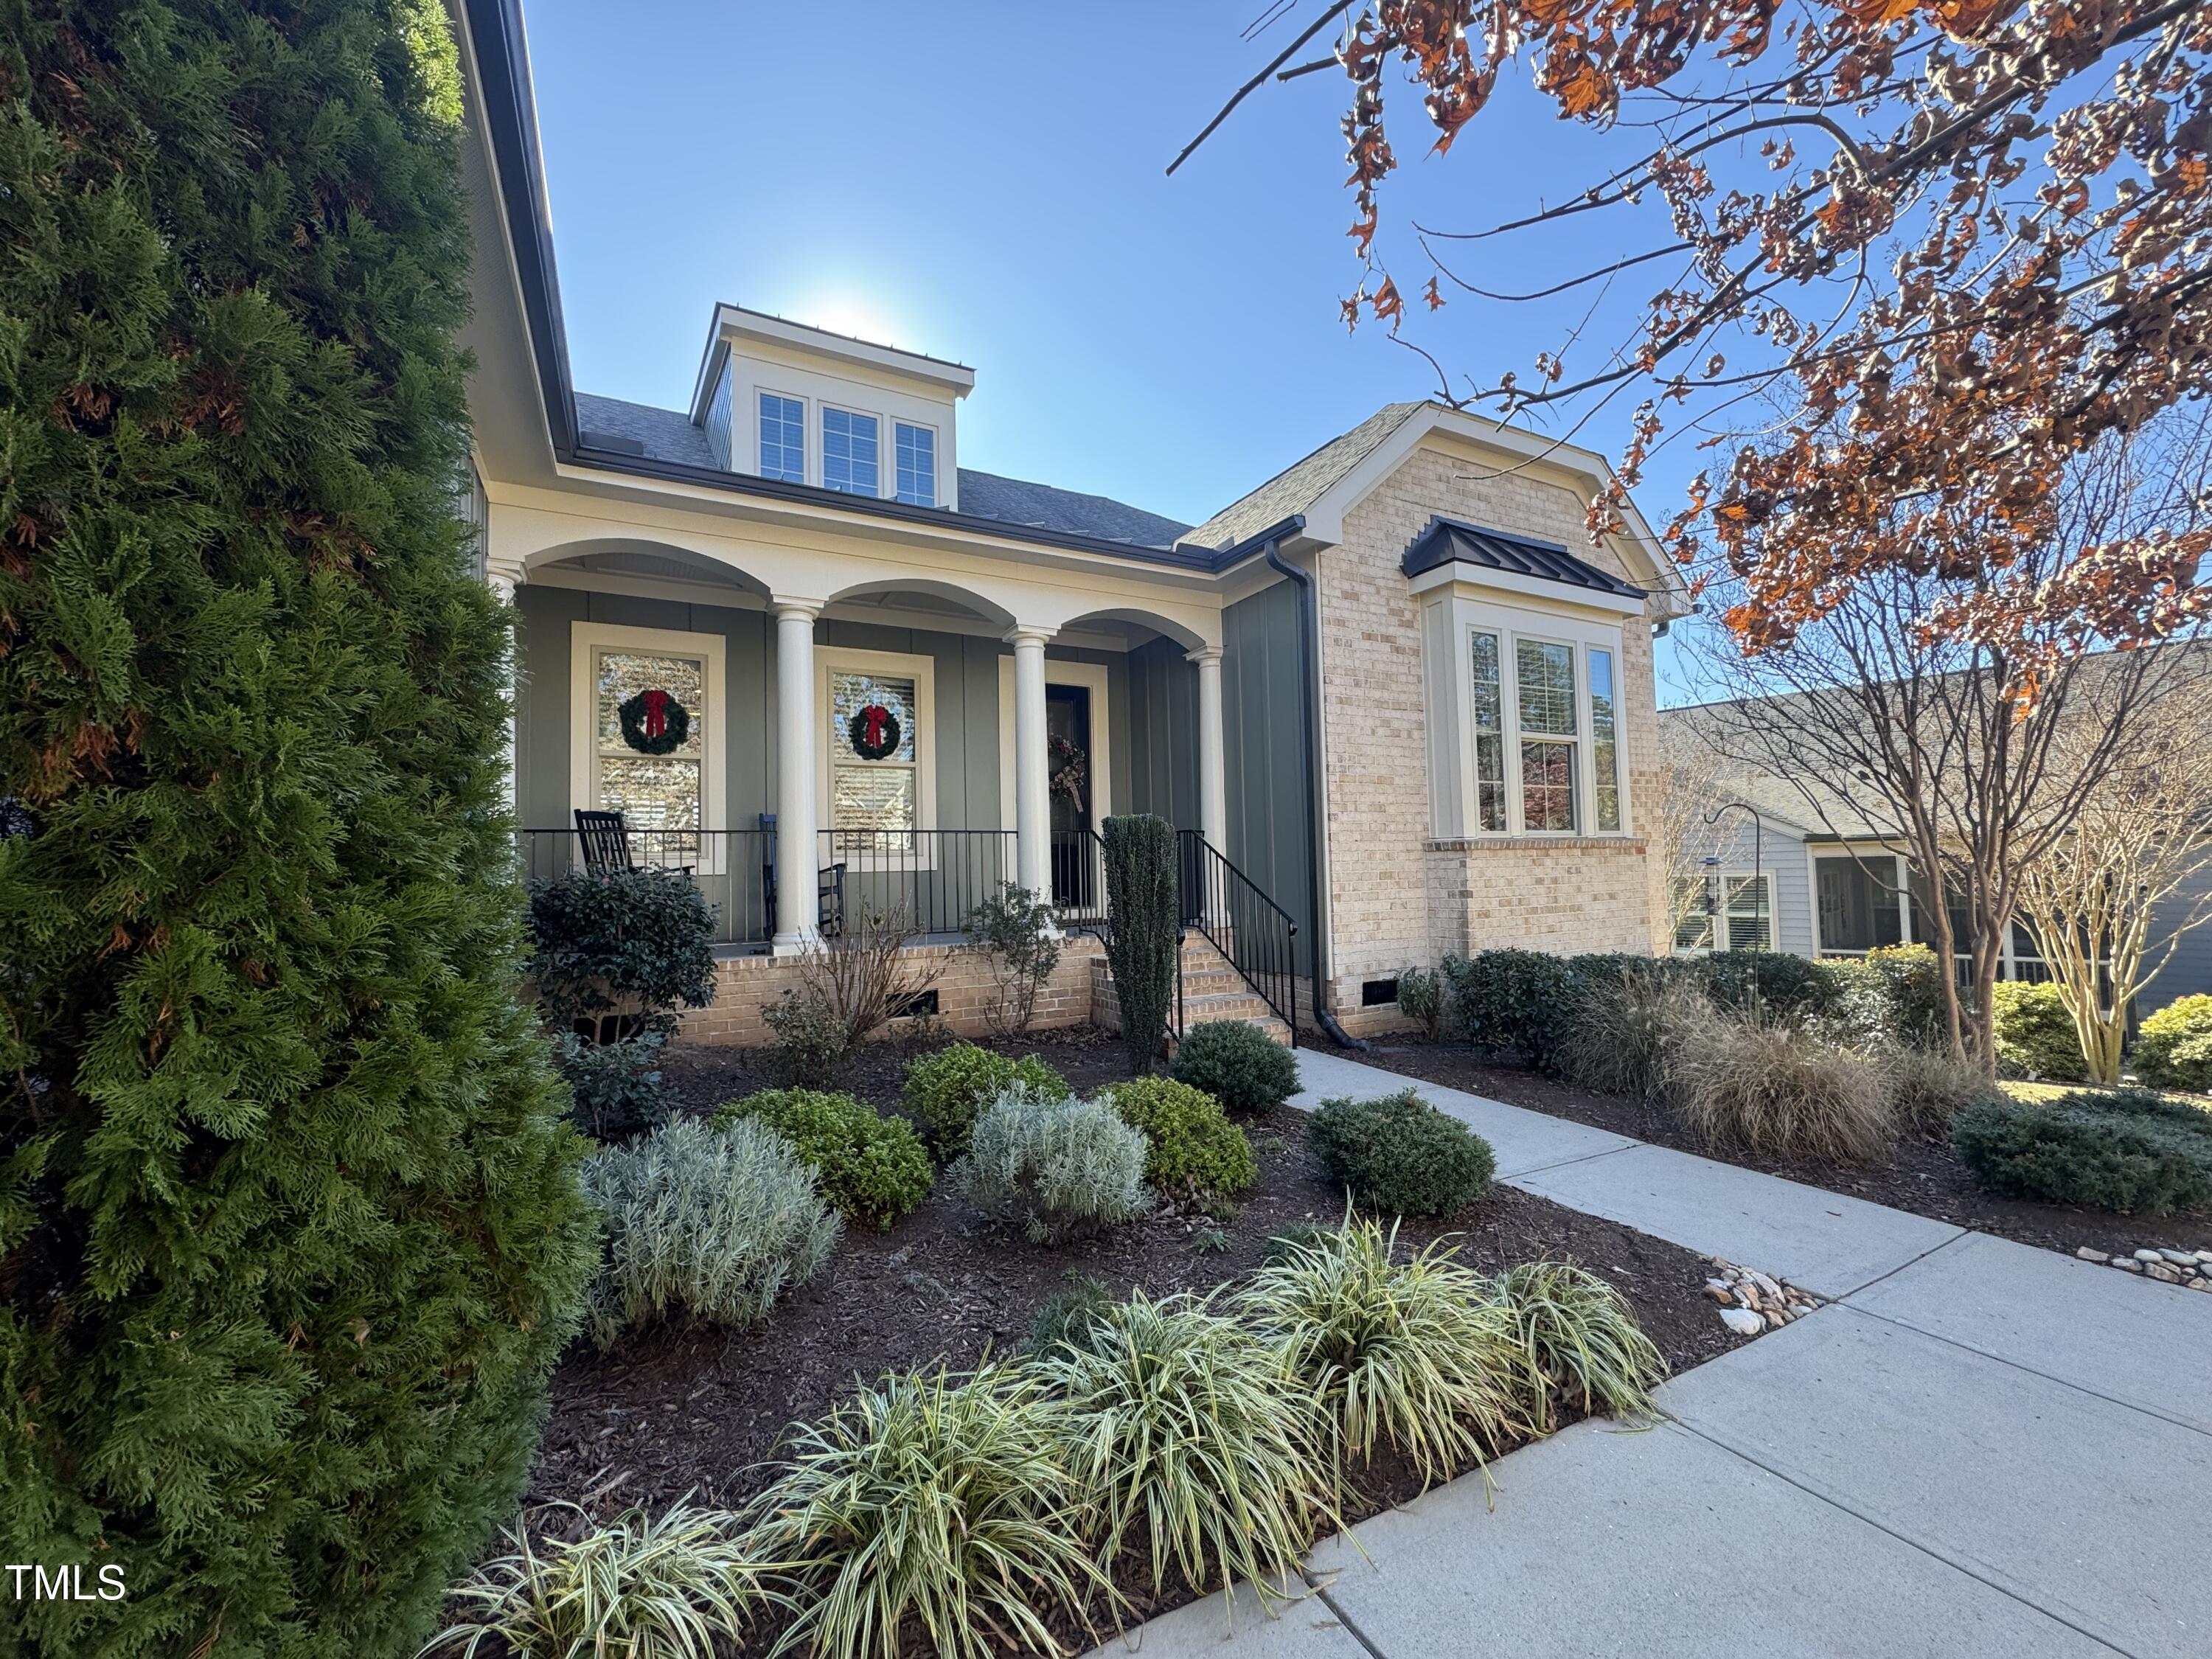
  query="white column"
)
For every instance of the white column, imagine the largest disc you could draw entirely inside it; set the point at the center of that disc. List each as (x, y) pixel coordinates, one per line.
(502, 589)
(798, 860)
(1213, 761)
(1032, 784)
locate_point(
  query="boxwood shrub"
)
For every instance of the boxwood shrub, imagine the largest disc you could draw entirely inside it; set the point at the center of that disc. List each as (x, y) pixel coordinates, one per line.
(871, 1167)
(1238, 1063)
(2035, 1033)
(1401, 1156)
(2128, 1150)
(1782, 985)
(1194, 1151)
(946, 1091)
(1508, 1002)
(2174, 1047)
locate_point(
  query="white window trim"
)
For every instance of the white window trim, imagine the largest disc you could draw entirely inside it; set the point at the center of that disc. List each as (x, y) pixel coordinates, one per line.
(821, 431)
(810, 464)
(1727, 877)
(829, 660)
(1091, 676)
(936, 450)
(585, 640)
(1518, 735)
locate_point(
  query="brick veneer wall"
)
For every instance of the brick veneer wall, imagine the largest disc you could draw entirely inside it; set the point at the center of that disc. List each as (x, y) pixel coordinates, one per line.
(1397, 898)
(744, 984)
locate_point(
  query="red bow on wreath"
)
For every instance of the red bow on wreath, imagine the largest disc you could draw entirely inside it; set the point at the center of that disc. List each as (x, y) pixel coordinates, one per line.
(874, 718)
(656, 712)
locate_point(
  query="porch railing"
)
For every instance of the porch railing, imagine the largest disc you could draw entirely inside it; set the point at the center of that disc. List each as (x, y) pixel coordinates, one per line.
(931, 878)
(1251, 930)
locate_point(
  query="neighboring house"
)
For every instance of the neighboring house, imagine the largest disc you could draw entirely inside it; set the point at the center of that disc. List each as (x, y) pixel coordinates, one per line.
(1818, 877)
(1391, 710)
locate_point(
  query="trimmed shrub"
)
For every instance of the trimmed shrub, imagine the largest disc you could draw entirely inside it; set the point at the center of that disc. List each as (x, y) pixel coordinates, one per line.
(1508, 1002)
(1421, 999)
(871, 1168)
(1185, 1435)
(1893, 994)
(1146, 935)
(1058, 1167)
(637, 940)
(1771, 1088)
(1238, 1063)
(946, 1091)
(1070, 1317)
(2128, 1150)
(933, 1503)
(1927, 1088)
(1401, 1156)
(703, 1224)
(655, 1590)
(1773, 983)
(617, 1087)
(1415, 1355)
(1624, 1036)
(2035, 1033)
(1014, 928)
(289, 1210)
(1580, 1340)
(1192, 1150)
(2173, 1049)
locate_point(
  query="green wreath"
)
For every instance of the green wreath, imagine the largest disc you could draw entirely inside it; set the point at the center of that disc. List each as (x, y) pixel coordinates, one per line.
(874, 731)
(654, 723)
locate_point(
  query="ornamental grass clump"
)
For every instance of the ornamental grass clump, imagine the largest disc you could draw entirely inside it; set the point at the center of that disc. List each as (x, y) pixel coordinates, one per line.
(1625, 1032)
(1762, 1087)
(1929, 1088)
(946, 1091)
(1192, 1445)
(2128, 1150)
(1055, 1168)
(644, 1588)
(1415, 1355)
(1193, 1152)
(933, 1505)
(1579, 1341)
(1238, 1063)
(871, 1168)
(703, 1224)
(1401, 1156)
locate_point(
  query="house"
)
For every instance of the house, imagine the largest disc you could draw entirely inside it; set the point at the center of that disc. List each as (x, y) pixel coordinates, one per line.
(1395, 699)
(1792, 865)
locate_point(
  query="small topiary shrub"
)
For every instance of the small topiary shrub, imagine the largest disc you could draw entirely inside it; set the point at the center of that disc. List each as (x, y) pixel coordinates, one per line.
(1580, 1340)
(1238, 1063)
(1192, 1150)
(1056, 1167)
(945, 1093)
(1774, 982)
(1767, 1087)
(2173, 1049)
(703, 1224)
(1401, 1156)
(617, 1087)
(638, 941)
(1927, 1088)
(1508, 1002)
(1070, 1318)
(2128, 1150)
(2035, 1033)
(1421, 999)
(871, 1167)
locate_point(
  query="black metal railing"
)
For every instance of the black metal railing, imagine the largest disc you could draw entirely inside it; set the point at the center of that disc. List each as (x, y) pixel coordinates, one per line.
(729, 866)
(1251, 930)
(1078, 880)
(929, 879)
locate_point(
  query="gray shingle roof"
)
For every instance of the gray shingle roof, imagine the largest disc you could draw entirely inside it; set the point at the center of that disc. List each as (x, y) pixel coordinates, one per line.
(1448, 540)
(1298, 488)
(666, 435)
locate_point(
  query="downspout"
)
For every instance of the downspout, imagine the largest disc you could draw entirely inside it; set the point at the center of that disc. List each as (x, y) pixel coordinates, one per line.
(1308, 693)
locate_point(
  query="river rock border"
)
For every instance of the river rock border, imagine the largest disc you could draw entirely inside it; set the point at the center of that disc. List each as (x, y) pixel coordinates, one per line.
(2189, 1267)
(1752, 1303)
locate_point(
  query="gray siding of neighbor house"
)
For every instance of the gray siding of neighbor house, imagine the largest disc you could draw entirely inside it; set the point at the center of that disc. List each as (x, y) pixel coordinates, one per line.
(1267, 803)
(1162, 725)
(1781, 854)
(967, 706)
(2190, 972)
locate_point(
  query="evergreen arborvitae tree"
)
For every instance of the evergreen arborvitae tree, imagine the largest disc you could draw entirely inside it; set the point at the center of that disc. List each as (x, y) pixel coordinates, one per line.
(1145, 932)
(290, 1229)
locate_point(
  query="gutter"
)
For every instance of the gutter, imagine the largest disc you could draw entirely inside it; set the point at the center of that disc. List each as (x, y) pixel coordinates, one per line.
(1269, 543)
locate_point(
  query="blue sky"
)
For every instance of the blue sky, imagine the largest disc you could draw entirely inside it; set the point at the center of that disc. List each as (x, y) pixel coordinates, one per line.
(985, 182)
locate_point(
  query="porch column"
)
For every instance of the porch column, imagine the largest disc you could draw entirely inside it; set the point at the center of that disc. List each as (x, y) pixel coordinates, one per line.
(502, 589)
(1032, 785)
(1212, 766)
(797, 858)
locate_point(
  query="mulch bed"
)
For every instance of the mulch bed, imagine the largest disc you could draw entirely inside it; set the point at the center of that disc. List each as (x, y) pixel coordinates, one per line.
(1925, 1177)
(701, 1411)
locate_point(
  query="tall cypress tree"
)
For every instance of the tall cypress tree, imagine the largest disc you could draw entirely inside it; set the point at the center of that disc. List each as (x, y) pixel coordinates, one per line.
(289, 1230)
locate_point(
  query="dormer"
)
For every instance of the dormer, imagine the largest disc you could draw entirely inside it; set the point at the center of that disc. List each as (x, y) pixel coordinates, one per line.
(781, 400)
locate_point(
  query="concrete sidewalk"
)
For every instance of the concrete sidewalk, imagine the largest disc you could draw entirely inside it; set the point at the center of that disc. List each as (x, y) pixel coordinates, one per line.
(1980, 1448)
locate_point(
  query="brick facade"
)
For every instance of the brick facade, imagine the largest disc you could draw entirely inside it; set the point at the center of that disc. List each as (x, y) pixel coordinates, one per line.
(1397, 898)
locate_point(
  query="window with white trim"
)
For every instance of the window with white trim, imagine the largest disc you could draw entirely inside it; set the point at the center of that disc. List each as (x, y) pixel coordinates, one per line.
(1489, 709)
(1605, 740)
(662, 795)
(1740, 902)
(783, 438)
(1545, 701)
(875, 758)
(851, 458)
(915, 453)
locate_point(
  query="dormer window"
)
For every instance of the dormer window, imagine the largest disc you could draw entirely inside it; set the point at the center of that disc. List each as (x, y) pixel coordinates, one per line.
(783, 438)
(850, 452)
(917, 464)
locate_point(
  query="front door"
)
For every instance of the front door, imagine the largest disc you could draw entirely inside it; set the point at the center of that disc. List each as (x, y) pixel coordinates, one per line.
(1068, 781)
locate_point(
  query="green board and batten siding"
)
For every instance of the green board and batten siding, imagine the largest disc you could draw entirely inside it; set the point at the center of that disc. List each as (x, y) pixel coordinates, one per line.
(1259, 692)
